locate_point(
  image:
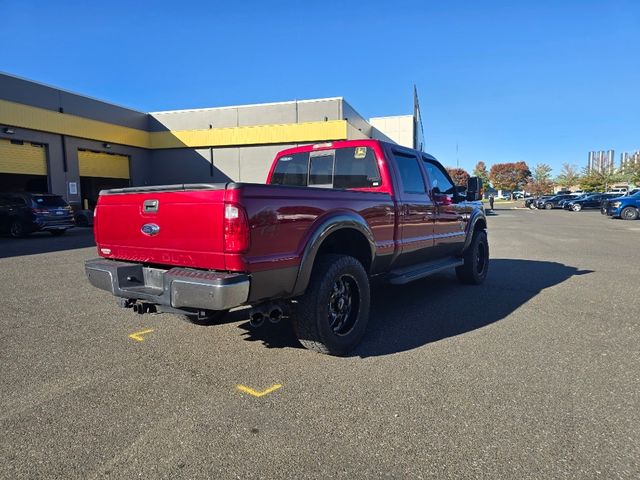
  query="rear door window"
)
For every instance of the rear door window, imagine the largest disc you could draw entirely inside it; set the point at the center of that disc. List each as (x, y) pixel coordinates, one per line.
(410, 173)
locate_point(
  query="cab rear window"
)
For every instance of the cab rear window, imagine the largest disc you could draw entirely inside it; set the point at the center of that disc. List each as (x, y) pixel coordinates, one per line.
(351, 167)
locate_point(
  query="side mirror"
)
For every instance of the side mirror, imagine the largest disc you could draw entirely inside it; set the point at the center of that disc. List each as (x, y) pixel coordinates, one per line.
(474, 189)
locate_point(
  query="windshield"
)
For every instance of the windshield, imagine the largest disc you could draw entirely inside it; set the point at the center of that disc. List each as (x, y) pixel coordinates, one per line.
(48, 201)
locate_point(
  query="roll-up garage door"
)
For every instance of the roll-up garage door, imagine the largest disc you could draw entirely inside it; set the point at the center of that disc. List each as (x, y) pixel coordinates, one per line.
(103, 165)
(24, 158)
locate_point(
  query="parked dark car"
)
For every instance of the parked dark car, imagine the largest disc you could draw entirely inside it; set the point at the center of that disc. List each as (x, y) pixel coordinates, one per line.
(24, 213)
(590, 201)
(563, 203)
(604, 207)
(627, 207)
(532, 202)
(553, 202)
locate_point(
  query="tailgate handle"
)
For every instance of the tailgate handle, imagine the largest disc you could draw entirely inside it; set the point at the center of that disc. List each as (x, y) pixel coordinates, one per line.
(150, 206)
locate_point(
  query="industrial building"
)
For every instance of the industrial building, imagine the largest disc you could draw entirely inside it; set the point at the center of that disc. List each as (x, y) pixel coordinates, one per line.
(52, 140)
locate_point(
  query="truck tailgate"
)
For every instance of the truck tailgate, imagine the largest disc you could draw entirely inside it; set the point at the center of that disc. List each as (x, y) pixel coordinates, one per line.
(175, 225)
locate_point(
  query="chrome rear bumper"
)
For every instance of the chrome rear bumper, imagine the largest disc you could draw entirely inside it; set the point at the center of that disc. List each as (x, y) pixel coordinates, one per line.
(175, 287)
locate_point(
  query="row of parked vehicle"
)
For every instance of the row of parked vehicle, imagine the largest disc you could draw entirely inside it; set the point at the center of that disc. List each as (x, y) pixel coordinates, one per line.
(23, 213)
(613, 204)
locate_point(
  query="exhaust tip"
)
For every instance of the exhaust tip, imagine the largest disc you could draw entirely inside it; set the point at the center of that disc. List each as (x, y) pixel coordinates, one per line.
(256, 320)
(275, 315)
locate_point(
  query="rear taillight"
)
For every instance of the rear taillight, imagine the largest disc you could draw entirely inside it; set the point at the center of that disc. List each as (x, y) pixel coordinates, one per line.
(236, 229)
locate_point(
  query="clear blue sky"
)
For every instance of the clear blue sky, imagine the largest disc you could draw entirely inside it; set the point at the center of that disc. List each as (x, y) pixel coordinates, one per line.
(539, 81)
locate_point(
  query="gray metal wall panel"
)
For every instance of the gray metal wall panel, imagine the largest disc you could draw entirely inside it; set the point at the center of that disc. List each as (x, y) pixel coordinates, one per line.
(354, 118)
(227, 161)
(34, 94)
(183, 165)
(316, 111)
(267, 114)
(255, 162)
(105, 112)
(193, 120)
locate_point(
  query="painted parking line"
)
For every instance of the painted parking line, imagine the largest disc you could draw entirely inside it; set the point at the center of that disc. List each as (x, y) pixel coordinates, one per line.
(137, 336)
(256, 393)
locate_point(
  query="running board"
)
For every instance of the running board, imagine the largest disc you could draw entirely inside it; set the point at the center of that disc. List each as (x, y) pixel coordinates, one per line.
(414, 272)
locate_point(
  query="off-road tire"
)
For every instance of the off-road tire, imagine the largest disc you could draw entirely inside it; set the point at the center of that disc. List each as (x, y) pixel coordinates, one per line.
(476, 260)
(211, 319)
(338, 292)
(629, 213)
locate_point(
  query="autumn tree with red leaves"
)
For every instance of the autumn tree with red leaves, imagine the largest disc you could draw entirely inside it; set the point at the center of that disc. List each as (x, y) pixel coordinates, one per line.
(458, 175)
(509, 176)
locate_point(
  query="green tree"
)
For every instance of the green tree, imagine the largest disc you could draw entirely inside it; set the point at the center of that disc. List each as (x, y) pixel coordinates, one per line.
(594, 181)
(631, 173)
(569, 176)
(481, 172)
(540, 182)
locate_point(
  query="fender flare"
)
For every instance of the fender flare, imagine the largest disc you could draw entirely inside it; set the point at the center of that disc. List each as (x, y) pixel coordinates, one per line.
(476, 216)
(339, 221)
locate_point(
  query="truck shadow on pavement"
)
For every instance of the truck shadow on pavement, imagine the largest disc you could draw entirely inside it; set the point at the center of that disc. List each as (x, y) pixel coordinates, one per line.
(43, 242)
(413, 315)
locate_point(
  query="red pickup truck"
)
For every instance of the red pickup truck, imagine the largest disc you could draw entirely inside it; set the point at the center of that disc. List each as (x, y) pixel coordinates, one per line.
(331, 217)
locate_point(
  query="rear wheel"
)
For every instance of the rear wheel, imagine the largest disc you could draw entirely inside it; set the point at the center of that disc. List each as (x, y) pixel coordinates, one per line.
(576, 207)
(331, 317)
(210, 318)
(548, 206)
(629, 213)
(17, 229)
(476, 260)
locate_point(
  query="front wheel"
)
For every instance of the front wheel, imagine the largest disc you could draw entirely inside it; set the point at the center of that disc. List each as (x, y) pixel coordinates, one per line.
(629, 213)
(548, 206)
(331, 317)
(476, 260)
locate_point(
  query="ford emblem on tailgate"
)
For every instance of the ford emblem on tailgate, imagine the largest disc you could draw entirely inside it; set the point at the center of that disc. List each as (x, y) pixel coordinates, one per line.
(150, 229)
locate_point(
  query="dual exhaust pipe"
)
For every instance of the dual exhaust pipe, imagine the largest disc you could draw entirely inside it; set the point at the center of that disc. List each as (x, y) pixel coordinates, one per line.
(270, 312)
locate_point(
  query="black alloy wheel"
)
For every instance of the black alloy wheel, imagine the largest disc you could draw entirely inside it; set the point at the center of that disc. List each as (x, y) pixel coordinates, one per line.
(331, 317)
(476, 260)
(343, 305)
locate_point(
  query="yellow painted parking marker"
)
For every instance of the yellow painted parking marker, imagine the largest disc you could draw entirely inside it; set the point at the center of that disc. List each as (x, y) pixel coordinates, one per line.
(255, 393)
(137, 336)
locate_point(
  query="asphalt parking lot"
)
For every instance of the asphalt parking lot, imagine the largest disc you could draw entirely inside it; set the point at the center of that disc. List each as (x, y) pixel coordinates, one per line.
(535, 374)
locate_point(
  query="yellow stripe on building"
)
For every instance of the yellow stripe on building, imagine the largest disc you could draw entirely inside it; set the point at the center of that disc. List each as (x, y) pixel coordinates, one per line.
(253, 135)
(34, 118)
(22, 158)
(105, 165)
